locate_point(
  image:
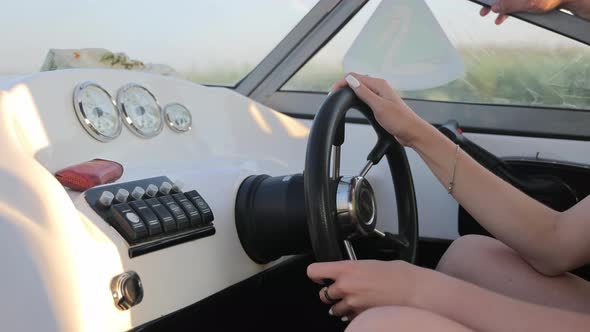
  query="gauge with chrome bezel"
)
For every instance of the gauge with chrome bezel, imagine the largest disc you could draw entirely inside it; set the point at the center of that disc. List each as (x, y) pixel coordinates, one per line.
(140, 109)
(178, 117)
(97, 112)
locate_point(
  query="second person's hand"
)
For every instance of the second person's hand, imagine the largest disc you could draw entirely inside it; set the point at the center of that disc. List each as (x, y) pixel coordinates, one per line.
(505, 7)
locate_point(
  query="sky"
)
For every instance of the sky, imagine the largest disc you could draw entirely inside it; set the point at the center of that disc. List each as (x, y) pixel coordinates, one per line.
(189, 35)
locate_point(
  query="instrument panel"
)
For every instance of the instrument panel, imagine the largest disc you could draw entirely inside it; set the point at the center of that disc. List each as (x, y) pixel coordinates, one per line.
(136, 106)
(90, 254)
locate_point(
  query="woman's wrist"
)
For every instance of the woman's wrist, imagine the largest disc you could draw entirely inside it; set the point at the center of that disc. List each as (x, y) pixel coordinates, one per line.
(421, 132)
(421, 276)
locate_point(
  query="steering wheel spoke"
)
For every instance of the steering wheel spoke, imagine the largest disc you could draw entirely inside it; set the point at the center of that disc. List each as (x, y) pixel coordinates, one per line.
(398, 241)
(366, 169)
(349, 250)
(336, 153)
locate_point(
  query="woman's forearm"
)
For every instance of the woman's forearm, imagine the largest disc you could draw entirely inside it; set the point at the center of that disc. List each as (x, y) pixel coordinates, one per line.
(516, 219)
(483, 310)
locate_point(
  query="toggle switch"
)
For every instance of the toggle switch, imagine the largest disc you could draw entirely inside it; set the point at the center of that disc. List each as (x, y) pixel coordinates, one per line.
(106, 199)
(177, 187)
(151, 191)
(122, 195)
(165, 188)
(137, 193)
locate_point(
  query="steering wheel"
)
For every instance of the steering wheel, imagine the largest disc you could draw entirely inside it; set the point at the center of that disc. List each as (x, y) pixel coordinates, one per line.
(342, 208)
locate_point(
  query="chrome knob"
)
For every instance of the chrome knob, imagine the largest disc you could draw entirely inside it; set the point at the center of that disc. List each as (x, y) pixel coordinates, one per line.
(106, 199)
(151, 190)
(177, 187)
(165, 188)
(137, 193)
(122, 195)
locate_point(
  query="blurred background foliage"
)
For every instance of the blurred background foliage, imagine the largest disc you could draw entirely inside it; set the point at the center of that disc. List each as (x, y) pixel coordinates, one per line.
(534, 77)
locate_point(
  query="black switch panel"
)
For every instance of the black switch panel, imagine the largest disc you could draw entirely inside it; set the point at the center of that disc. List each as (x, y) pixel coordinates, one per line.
(180, 217)
(148, 216)
(153, 223)
(198, 200)
(166, 219)
(189, 208)
(127, 222)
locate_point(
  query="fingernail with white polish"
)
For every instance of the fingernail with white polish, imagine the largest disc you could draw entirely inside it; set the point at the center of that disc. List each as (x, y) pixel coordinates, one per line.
(330, 312)
(352, 81)
(344, 319)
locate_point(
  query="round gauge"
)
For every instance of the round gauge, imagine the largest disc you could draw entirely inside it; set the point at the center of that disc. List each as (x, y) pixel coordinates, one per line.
(178, 117)
(141, 111)
(97, 111)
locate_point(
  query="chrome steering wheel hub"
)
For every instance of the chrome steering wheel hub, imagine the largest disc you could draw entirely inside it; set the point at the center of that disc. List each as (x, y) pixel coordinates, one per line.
(356, 207)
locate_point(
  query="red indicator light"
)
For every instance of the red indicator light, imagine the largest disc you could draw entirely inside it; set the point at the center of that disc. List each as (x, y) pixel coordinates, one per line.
(89, 174)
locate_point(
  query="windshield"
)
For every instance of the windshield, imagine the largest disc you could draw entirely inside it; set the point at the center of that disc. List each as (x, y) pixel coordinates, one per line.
(206, 41)
(505, 65)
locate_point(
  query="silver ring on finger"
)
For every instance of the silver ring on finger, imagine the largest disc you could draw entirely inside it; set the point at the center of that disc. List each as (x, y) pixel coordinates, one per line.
(328, 297)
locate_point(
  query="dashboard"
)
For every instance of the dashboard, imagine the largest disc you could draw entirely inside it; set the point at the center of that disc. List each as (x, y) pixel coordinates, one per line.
(63, 252)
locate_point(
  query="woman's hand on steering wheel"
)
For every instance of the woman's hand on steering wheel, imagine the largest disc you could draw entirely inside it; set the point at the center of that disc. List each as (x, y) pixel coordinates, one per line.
(390, 110)
(361, 285)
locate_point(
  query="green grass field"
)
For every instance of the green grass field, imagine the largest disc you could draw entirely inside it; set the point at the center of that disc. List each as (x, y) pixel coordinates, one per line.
(536, 77)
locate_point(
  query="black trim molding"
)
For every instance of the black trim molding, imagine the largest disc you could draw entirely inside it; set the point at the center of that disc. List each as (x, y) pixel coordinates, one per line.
(479, 118)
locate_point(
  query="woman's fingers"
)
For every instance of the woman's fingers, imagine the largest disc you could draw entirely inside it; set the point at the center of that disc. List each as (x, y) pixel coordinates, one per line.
(362, 90)
(331, 294)
(338, 85)
(323, 271)
(501, 18)
(345, 308)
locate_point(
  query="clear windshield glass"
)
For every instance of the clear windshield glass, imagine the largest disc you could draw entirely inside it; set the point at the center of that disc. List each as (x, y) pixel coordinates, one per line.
(206, 41)
(515, 63)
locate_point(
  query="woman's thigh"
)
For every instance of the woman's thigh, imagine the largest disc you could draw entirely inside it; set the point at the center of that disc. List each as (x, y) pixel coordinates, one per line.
(491, 264)
(405, 319)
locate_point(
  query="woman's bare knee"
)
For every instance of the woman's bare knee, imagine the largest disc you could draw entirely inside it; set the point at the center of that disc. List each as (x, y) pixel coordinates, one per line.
(470, 253)
(388, 319)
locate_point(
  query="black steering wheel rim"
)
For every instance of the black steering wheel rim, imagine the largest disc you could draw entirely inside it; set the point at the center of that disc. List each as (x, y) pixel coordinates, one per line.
(320, 190)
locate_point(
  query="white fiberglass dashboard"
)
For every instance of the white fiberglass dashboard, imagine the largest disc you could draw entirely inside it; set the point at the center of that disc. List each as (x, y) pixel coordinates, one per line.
(59, 255)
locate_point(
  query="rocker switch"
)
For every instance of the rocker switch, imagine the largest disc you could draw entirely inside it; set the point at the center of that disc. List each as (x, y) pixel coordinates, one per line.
(178, 214)
(189, 208)
(127, 222)
(148, 216)
(198, 200)
(163, 214)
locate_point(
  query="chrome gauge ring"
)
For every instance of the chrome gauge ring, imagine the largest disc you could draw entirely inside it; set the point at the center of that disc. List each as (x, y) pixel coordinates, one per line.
(140, 109)
(178, 117)
(97, 112)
